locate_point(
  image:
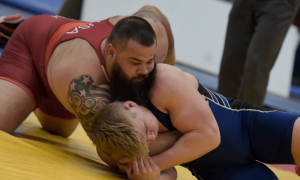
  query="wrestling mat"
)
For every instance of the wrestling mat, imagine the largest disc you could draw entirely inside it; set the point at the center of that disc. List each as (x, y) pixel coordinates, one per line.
(33, 154)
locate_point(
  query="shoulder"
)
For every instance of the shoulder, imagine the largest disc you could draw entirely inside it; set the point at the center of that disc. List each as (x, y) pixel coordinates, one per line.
(73, 59)
(168, 74)
(167, 79)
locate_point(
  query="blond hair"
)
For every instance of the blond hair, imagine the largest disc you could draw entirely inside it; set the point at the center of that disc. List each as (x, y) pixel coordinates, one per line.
(113, 133)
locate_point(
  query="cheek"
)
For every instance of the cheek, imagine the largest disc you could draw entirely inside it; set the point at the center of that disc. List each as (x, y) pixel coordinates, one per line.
(128, 70)
(150, 67)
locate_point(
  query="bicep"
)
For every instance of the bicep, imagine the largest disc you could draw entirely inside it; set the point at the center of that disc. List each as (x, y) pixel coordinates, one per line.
(193, 114)
(187, 108)
(86, 98)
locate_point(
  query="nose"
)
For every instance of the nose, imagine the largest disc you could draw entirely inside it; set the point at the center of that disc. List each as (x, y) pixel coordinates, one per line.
(142, 69)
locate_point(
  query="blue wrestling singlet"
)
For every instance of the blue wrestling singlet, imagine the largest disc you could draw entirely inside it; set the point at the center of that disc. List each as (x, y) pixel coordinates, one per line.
(248, 133)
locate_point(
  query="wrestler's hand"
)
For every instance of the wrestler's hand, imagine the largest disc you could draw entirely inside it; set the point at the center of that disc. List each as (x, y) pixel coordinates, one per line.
(125, 160)
(142, 168)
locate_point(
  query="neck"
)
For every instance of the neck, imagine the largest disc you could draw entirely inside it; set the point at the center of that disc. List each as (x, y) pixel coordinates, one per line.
(147, 112)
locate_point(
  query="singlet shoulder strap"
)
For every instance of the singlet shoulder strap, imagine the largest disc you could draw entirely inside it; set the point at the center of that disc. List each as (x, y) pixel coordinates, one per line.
(162, 117)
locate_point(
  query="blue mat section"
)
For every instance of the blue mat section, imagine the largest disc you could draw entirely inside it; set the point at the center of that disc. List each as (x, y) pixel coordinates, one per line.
(1, 51)
(37, 6)
(295, 90)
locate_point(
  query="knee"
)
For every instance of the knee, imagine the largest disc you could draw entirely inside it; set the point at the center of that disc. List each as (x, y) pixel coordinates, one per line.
(153, 9)
(150, 7)
(59, 132)
(57, 126)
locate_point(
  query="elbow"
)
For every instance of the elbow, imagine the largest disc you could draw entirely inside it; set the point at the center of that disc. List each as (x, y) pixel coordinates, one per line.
(214, 137)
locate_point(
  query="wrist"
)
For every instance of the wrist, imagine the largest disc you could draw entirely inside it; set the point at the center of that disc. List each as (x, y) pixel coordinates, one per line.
(162, 161)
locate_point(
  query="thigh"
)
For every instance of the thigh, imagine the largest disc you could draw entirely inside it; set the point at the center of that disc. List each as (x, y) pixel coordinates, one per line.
(251, 171)
(56, 125)
(255, 170)
(271, 136)
(296, 141)
(15, 105)
(18, 76)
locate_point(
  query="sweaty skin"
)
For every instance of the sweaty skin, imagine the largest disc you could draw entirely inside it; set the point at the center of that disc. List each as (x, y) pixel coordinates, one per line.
(187, 114)
(75, 75)
(188, 104)
(76, 60)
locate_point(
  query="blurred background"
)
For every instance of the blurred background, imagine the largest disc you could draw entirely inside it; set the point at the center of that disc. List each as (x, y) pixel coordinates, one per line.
(199, 29)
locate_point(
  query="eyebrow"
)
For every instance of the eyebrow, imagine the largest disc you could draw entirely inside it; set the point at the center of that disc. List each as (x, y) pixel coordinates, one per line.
(140, 59)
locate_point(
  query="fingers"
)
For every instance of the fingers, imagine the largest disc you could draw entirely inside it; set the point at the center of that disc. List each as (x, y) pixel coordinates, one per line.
(127, 168)
(146, 163)
(135, 166)
(151, 163)
(129, 171)
(122, 167)
(140, 165)
(125, 160)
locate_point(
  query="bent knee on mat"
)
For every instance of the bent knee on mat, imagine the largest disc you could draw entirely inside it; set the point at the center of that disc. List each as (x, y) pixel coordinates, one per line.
(57, 126)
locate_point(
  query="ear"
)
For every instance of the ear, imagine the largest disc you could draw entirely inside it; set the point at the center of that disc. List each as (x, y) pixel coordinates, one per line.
(110, 52)
(129, 104)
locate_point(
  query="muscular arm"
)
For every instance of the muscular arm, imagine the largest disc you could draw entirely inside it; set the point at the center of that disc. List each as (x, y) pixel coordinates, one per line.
(191, 115)
(163, 142)
(156, 15)
(86, 99)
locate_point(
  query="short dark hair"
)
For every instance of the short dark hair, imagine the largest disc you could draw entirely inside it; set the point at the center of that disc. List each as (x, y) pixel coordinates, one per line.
(132, 28)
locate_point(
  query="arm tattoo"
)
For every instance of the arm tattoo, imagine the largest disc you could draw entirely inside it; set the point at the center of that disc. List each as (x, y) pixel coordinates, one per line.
(147, 14)
(86, 99)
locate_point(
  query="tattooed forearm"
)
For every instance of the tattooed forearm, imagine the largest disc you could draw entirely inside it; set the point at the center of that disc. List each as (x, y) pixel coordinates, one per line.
(86, 98)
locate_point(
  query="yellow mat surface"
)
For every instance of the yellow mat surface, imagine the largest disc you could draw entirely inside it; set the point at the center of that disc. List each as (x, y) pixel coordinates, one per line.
(33, 154)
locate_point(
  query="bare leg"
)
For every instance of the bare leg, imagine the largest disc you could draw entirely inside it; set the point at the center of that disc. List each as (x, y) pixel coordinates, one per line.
(296, 141)
(161, 33)
(54, 125)
(15, 106)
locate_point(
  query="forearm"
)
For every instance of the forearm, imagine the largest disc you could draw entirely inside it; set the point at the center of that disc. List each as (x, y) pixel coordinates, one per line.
(192, 145)
(169, 174)
(108, 160)
(163, 142)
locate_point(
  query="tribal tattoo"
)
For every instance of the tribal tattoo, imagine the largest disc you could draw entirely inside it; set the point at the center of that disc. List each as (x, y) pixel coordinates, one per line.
(86, 99)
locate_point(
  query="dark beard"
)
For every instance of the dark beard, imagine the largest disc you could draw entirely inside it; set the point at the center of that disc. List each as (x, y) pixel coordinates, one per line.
(123, 88)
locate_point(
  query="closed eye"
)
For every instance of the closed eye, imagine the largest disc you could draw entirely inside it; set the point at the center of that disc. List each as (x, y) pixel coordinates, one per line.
(150, 62)
(135, 63)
